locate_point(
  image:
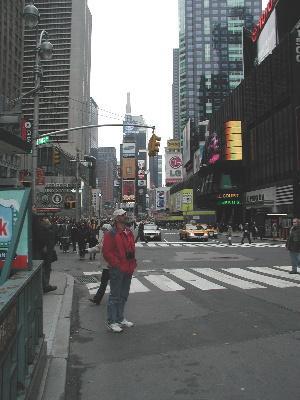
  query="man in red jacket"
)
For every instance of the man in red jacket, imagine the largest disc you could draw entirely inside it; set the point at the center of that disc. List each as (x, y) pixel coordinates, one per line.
(119, 252)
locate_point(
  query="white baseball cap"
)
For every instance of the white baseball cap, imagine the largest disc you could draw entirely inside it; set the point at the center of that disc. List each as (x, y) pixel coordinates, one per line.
(106, 227)
(119, 212)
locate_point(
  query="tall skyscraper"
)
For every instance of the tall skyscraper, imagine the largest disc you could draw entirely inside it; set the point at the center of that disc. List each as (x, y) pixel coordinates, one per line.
(11, 50)
(211, 52)
(175, 95)
(106, 172)
(155, 169)
(93, 136)
(65, 99)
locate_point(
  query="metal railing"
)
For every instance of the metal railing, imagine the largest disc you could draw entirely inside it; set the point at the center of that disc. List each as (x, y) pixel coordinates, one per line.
(22, 346)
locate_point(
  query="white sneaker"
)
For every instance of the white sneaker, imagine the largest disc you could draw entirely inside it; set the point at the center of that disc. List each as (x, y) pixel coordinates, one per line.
(126, 323)
(115, 327)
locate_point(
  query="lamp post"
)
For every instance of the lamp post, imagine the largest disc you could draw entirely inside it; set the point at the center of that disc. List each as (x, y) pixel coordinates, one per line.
(43, 51)
(100, 205)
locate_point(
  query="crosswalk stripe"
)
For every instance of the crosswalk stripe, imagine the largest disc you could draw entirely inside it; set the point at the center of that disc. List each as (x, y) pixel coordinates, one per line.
(276, 272)
(151, 245)
(163, 244)
(218, 245)
(137, 286)
(164, 283)
(284, 267)
(268, 280)
(92, 285)
(230, 280)
(88, 273)
(193, 279)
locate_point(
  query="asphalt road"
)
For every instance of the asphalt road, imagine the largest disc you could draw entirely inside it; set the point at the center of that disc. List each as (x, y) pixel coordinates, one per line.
(212, 322)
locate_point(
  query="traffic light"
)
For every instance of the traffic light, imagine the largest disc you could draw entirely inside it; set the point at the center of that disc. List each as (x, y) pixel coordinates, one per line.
(55, 156)
(153, 145)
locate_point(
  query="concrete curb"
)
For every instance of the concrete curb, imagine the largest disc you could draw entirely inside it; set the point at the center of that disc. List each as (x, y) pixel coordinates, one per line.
(55, 375)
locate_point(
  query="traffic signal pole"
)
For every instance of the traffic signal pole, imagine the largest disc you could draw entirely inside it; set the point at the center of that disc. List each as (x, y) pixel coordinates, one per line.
(77, 213)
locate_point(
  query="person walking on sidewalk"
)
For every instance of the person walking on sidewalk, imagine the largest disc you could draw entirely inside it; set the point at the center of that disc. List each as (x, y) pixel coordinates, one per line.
(119, 252)
(246, 233)
(293, 245)
(105, 271)
(140, 234)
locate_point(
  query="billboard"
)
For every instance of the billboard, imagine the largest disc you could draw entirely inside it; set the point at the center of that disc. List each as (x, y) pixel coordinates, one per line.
(187, 200)
(211, 151)
(161, 198)
(128, 168)
(268, 38)
(128, 129)
(233, 141)
(128, 150)
(142, 183)
(128, 190)
(173, 144)
(187, 143)
(173, 167)
(10, 203)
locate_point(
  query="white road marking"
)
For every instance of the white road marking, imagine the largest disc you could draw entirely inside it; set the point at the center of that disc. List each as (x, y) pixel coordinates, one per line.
(164, 283)
(276, 272)
(268, 280)
(284, 267)
(138, 287)
(92, 285)
(152, 244)
(193, 279)
(163, 244)
(225, 278)
(88, 273)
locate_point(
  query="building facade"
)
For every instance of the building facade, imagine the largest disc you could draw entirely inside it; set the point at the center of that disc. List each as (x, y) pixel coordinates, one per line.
(93, 132)
(211, 53)
(65, 99)
(106, 173)
(175, 95)
(155, 170)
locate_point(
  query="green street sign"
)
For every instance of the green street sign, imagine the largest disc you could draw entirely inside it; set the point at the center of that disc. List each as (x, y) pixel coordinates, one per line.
(43, 140)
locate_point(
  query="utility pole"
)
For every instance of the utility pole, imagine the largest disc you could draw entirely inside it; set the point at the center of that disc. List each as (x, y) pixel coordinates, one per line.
(77, 214)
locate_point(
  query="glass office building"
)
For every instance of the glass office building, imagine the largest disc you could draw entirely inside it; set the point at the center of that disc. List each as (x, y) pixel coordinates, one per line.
(211, 52)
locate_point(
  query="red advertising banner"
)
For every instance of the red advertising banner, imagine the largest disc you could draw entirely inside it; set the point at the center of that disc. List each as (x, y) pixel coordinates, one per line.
(128, 190)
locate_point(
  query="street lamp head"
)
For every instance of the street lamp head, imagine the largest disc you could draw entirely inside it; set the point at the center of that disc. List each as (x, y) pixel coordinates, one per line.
(46, 50)
(31, 15)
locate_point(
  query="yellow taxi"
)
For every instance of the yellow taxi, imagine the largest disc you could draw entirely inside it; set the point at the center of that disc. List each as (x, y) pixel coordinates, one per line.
(212, 232)
(193, 232)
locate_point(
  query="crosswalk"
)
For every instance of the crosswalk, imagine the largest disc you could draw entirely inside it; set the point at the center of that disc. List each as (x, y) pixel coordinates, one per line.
(207, 279)
(207, 244)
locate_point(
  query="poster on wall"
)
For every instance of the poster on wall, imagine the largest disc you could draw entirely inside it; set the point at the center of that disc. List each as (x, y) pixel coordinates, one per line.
(128, 192)
(187, 200)
(173, 168)
(128, 168)
(10, 203)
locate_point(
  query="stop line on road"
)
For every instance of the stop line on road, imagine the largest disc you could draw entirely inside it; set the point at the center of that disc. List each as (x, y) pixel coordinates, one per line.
(206, 279)
(207, 244)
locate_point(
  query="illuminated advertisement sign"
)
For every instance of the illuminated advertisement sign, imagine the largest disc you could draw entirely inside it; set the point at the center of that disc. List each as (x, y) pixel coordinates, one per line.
(128, 149)
(187, 200)
(128, 168)
(10, 202)
(229, 199)
(233, 138)
(173, 144)
(128, 192)
(262, 20)
(173, 167)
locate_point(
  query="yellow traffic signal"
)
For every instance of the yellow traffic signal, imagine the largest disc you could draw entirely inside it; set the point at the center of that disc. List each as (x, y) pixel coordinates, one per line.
(55, 156)
(153, 145)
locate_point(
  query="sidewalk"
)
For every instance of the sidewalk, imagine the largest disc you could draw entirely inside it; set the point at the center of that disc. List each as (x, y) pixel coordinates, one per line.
(57, 308)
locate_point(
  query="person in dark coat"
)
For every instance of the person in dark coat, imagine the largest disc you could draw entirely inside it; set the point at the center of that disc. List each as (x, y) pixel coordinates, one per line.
(246, 234)
(82, 238)
(43, 243)
(293, 245)
(74, 232)
(140, 234)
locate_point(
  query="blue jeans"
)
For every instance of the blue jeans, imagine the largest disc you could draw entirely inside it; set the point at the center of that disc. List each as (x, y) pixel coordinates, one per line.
(119, 291)
(295, 258)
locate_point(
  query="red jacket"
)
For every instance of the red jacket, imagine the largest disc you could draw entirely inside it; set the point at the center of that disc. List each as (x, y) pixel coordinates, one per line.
(115, 245)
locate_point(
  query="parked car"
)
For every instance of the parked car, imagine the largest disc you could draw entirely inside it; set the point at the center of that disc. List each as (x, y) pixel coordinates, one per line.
(193, 232)
(152, 232)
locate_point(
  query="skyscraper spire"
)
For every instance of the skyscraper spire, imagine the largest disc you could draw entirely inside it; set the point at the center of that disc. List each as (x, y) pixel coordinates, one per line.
(128, 105)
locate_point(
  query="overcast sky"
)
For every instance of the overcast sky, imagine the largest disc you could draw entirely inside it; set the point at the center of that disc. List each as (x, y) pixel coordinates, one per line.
(132, 44)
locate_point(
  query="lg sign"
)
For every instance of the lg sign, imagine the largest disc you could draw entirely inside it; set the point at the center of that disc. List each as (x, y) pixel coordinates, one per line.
(175, 162)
